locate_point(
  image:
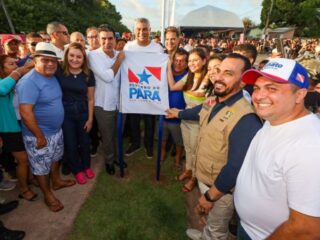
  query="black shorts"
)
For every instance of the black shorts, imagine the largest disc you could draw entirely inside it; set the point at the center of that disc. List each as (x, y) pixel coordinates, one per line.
(12, 142)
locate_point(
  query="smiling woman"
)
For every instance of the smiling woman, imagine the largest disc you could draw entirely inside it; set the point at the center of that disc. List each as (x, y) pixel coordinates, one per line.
(10, 131)
(77, 83)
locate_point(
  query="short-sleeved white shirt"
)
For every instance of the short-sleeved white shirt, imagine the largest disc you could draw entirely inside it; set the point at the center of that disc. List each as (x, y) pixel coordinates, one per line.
(281, 171)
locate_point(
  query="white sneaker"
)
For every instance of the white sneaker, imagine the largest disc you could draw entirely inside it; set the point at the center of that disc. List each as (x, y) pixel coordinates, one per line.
(194, 234)
(5, 185)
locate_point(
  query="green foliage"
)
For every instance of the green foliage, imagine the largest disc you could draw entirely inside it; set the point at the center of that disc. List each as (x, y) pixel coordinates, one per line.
(77, 15)
(248, 24)
(302, 14)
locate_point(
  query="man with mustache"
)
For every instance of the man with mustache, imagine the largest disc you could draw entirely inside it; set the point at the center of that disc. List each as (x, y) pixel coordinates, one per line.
(227, 126)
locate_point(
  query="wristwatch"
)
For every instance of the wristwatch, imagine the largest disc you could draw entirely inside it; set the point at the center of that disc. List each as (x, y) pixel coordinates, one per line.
(207, 197)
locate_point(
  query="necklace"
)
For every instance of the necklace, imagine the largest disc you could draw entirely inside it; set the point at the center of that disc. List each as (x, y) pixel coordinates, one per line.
(75, 75)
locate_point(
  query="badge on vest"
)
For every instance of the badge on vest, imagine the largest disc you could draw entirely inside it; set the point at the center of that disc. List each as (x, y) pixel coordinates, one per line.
(207, 104)
(227, 115)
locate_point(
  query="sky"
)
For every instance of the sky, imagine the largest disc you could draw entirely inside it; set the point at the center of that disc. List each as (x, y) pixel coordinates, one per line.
(151, 9)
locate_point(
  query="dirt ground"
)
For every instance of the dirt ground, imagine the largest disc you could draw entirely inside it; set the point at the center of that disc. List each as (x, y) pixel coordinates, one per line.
(35, 218)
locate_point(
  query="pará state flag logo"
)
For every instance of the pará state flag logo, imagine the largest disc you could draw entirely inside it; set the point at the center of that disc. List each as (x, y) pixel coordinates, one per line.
(141, 84)
(144, 87)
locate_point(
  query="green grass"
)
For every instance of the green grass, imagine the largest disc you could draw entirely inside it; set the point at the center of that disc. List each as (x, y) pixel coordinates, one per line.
(134, 207)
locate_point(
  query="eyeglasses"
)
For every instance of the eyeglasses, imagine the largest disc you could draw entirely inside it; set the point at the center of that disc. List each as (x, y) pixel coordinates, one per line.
(48, 60)
(33, 44)
(91, 37)
(63, 32)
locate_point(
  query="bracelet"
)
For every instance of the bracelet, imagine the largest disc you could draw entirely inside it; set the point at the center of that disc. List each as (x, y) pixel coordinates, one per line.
(19, 74)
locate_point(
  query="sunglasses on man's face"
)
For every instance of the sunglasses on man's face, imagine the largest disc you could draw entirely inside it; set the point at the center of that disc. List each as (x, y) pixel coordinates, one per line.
(63, 32)
(33, 44)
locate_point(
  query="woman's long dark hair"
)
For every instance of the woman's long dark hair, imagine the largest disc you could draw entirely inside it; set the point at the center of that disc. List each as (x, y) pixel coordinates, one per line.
(190, 79)
(219, 56)
(2, 60)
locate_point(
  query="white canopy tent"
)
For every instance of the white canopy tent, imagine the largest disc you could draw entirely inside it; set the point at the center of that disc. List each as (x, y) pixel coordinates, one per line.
(210, 18)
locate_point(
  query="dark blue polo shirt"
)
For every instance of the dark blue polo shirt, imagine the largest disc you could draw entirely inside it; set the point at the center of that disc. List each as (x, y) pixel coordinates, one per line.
(239, 140)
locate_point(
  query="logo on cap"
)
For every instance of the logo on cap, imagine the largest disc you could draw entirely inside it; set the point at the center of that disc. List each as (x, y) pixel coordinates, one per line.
(300, 78)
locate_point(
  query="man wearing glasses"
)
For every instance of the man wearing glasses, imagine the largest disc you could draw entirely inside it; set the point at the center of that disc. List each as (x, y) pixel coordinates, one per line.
(42, 113)
(59, 37)
(92, 38)
(32, 39)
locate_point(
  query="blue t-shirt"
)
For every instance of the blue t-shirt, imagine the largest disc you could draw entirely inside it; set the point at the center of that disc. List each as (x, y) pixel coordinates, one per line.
(176, 99)
(46, 97)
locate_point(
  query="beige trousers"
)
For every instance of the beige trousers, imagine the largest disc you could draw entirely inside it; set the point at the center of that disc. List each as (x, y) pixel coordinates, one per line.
(190, 131)
(217, 226)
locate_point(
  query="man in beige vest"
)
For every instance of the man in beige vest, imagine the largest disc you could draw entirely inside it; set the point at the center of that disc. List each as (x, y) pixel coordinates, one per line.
(227, 126)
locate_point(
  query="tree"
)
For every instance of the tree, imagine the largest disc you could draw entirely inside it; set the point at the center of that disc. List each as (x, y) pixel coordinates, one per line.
(248, 24)
(302, 14)
(77, 15)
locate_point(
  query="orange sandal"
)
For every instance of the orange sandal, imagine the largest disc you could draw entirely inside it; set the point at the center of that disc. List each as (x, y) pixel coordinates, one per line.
(185, 175)
(189, 185)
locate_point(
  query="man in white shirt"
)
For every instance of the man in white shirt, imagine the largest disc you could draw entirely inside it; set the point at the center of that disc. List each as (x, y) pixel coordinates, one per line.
(105, 62)
(59, 37)
(277, 191)
(142, 43)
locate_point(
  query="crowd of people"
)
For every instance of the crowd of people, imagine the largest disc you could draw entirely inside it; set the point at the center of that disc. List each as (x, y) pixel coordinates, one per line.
(248, 131)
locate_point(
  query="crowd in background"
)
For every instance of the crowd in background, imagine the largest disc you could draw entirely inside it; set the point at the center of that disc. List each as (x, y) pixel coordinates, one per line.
(70, 117)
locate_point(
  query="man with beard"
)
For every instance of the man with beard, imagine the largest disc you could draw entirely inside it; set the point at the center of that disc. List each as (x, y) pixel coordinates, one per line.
(227, 126)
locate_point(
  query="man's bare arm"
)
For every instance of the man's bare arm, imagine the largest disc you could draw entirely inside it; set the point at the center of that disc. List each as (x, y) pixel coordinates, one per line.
(298, 226)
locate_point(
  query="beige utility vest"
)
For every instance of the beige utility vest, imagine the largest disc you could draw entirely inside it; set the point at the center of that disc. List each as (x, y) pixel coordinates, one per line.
(213, 139)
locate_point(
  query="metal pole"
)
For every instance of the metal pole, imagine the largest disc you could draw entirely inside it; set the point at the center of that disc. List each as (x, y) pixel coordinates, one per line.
(163, 5)
(168, 13)
(267, 24)
(160, 133)
(173, 12)
(7, 16)
(120, 145)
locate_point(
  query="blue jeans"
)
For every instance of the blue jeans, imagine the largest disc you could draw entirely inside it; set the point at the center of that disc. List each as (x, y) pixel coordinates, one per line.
(242, 234)
(76, 139)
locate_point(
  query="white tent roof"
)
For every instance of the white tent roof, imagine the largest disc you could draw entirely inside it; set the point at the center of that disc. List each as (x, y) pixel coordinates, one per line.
(211, 17)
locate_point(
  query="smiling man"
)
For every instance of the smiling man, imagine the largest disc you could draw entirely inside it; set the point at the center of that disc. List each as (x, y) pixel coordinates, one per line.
(277, 192)
(105, 62)
(227, 126)
(41, 109)
(142, 43)
(171, 40)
